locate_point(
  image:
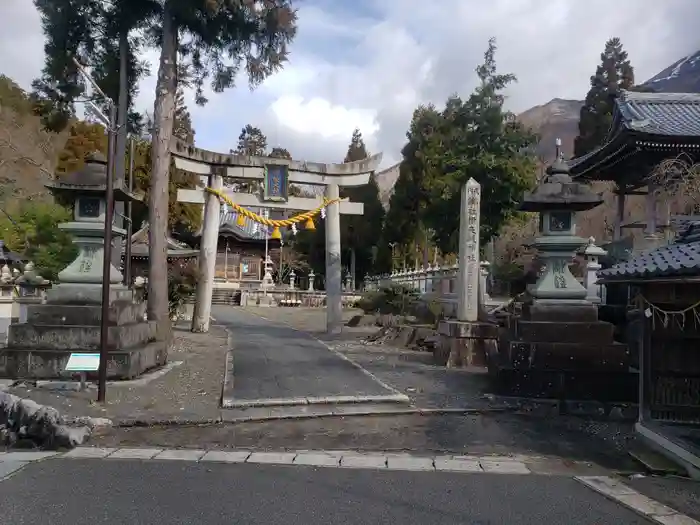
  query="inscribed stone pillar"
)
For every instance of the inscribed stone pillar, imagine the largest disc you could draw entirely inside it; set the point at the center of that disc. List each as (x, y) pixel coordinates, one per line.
(334, 312)
(469, 270)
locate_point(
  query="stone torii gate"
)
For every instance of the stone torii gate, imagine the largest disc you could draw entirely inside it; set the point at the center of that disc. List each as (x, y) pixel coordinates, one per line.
(276, 175)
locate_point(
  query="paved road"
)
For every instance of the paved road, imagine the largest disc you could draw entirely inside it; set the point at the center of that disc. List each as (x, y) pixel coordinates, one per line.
(83, 492)
(273, 361)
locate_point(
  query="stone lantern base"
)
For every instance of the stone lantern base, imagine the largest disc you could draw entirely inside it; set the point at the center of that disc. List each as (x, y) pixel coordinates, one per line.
(560, 349)
(40, 348)
(69, 322)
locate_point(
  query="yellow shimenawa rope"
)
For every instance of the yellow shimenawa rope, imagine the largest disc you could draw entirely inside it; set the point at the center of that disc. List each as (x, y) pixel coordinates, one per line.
(271, 222)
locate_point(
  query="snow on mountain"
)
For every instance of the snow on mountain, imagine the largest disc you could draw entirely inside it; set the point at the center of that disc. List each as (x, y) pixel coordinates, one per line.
(681, 77)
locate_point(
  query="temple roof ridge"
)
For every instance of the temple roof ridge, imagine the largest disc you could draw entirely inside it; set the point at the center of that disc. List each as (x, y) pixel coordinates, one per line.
(662, 124)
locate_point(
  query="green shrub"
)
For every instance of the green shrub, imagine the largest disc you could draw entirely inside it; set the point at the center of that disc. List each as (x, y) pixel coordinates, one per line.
(182, 282)
(394, 299)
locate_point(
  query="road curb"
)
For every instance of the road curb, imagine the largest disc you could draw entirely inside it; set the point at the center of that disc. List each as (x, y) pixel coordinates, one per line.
(375, 460)
(314, 400)
(369, 411)
(646, 507)
(228, 382)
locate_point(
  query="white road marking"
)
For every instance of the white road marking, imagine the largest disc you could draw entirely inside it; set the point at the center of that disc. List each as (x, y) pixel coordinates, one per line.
(617, 491)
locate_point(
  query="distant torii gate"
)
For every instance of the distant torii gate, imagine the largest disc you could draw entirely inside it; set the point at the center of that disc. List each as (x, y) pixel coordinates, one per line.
(276, 174)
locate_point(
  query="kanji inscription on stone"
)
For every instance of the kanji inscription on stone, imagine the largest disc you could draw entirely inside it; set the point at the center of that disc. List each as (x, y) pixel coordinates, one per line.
(468, 293)
(559, 278)
(87, 260)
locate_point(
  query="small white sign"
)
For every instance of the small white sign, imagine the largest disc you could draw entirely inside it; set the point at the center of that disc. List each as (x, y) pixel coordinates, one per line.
(83, 363)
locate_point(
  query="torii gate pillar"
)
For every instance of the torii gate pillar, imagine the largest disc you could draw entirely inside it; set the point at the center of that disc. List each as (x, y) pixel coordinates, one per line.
(334, 277)
(207, 257)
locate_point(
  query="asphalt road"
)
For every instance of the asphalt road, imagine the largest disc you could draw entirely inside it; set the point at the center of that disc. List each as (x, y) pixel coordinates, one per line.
(82, 492)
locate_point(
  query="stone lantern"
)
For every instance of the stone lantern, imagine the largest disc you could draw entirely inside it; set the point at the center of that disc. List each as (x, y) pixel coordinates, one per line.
(558, 347)
(84, 191)
(557, 199)
(70, 320)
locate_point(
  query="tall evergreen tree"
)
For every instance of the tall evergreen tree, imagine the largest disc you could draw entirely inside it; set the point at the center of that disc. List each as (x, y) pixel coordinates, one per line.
(360, 234)
(477, 139)
(215, 38)
(252, 141)
(404, 220)
(614, 74)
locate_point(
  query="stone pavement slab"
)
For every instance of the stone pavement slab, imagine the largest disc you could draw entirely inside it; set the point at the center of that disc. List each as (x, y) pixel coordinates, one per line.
(181, 455)
(317, 459)
(90, 452)
(222, 456)
(135, 453)
(273, 361)
(10, 467)
(371, 461)
(276, 458)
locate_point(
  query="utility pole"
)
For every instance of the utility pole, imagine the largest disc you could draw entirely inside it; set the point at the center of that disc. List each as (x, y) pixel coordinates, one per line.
(110, 123)
(129, 223)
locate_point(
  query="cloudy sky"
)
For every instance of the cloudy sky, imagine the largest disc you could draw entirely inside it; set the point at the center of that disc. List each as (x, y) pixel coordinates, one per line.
(369, 63)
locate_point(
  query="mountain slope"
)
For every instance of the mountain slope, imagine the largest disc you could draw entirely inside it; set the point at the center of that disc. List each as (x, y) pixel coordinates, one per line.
(682, 76)
(558, 118)
(28, 153)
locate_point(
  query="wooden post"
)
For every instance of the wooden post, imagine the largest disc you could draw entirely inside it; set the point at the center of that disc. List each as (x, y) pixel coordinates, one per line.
(207, 257)
(651, 209)
(620, 215)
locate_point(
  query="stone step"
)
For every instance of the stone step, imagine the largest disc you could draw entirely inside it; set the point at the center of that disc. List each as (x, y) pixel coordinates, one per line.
(581, 356)
(32, 363)
(120, 313)
(594, 333)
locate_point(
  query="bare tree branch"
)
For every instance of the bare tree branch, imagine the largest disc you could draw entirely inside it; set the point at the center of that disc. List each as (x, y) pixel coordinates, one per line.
(679, 177)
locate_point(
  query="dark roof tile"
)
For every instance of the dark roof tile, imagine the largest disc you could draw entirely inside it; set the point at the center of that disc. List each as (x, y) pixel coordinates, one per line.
(673, 260)
(671, 114)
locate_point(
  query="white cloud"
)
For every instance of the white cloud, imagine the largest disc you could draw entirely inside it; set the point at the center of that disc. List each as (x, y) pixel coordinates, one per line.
(319, 117)
(369, 63)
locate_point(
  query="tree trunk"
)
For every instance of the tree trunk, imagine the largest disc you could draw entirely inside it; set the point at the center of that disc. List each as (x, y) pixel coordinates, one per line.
(120, 149)
(163, 118)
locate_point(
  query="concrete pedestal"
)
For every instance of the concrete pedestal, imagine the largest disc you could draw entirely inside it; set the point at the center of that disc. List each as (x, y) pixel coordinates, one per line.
(466, 344)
